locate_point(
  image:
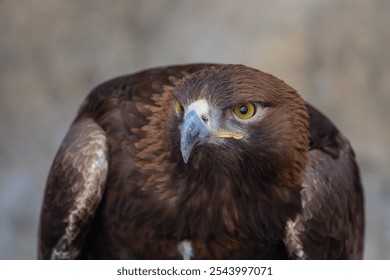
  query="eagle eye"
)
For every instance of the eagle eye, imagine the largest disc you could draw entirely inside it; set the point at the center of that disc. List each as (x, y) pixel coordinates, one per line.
(179, 108)
(244, 110)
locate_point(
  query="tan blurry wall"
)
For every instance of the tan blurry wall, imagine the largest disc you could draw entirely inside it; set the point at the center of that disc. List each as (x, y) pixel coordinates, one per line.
(53, 52)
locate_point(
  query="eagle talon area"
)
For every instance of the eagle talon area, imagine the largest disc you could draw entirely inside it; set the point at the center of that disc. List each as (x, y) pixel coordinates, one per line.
(182, 162)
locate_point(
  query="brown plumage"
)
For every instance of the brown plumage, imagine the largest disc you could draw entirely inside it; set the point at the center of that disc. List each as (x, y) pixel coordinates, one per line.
(202, 162)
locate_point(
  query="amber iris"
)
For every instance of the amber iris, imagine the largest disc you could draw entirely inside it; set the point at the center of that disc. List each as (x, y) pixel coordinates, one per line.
(244, 110)
(179, 109)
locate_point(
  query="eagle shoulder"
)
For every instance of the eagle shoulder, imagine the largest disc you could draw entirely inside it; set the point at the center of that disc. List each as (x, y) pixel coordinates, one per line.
(74, 189)
(331, 225)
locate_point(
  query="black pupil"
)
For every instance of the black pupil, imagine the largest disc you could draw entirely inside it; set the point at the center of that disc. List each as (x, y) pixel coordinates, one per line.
(244, 110)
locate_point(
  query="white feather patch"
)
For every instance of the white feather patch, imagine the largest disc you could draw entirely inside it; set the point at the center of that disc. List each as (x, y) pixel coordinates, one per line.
(201, 107)
(185, 249)
(292, 238)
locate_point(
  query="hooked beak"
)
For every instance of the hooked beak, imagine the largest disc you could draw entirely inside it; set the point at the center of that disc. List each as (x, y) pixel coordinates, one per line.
(194, 132)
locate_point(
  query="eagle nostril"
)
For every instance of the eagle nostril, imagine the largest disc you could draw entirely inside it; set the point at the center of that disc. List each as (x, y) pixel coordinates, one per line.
(205, 119)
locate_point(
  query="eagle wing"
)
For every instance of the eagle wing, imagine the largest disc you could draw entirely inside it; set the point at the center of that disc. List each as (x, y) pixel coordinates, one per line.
(74, 189)
(331, 225)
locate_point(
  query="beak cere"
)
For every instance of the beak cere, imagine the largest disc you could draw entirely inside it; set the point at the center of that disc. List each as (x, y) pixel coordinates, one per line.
(194, 132)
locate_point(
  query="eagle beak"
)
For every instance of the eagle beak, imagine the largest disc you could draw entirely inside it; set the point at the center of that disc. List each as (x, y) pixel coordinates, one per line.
(194, 132)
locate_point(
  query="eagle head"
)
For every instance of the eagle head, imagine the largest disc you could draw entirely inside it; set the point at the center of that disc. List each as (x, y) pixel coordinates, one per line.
(236, 116)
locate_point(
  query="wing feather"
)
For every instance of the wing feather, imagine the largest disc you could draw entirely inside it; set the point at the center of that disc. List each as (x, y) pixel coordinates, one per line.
(74, 189)
(331, 225)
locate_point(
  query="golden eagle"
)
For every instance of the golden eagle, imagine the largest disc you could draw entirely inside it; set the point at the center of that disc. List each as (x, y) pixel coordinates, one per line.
(202, 161)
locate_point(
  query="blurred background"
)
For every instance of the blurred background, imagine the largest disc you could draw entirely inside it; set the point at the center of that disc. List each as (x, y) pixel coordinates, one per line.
(53, 52)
